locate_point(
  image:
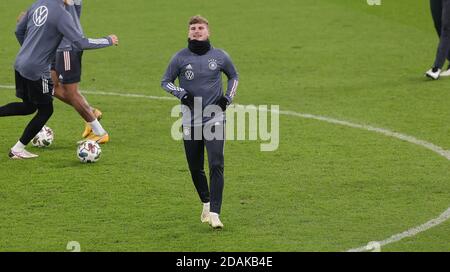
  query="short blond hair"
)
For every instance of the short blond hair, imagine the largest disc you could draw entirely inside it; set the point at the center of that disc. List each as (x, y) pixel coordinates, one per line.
(198, 19)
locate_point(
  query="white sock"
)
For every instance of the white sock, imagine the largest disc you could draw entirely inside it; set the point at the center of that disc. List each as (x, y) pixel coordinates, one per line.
(19, 147)
(206, 206)
(97, 127)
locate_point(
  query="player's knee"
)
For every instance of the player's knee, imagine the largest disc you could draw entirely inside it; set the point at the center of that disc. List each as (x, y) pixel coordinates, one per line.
(58, 93)
(446, 29)
(45, 110)
(31, 108)
(217, 159)
(196, 170)
(216, 166)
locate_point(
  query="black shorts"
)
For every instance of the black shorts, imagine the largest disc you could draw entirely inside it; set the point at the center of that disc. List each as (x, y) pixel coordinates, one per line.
(36, 92)
(68, 66)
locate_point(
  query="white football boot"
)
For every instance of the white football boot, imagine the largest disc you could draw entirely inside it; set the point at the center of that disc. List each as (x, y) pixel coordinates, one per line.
(205, 213)
(214, 221)
(22, 155)
(433, 73)
(446, 73)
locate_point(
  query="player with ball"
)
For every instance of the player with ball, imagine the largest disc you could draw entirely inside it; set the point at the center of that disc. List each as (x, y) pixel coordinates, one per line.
(39, 33)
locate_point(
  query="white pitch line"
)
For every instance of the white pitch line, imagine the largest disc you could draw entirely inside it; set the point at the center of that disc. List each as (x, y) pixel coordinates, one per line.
(111, 94)
(411, 232)
(435, 148)
(430, 146)
(130, 95)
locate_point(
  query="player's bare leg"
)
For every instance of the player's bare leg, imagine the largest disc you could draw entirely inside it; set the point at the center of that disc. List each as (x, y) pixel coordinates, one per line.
(74, 98)
(80, 104)
(87, 127)
(58, 91)
(69, 94)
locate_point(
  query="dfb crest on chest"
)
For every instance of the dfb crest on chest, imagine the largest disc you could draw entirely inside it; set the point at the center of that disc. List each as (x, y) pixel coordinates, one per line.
(212, 64)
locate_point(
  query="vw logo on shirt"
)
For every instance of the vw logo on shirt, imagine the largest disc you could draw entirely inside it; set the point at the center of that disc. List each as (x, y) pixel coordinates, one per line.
(40, 16)
(189, 75)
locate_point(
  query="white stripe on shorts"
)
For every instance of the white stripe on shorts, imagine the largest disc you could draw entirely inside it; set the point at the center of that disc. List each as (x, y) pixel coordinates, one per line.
(67, 61)
(44, 86)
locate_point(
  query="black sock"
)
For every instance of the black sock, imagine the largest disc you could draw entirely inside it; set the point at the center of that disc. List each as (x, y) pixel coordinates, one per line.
(44, 113)
(17, 108)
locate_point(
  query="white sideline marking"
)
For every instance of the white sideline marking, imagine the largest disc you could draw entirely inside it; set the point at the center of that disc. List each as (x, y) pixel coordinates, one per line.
(435, 148)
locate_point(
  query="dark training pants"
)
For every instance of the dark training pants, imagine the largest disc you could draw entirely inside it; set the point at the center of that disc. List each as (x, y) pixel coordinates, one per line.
(44, 112)
(436, 13)
(440, 10)
(36, 96)
(195, 155)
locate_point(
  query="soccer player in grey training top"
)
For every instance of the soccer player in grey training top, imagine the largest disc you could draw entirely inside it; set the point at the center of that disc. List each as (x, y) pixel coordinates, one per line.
(199, 71)
(66, 76)
(39, 33)
(440, 10)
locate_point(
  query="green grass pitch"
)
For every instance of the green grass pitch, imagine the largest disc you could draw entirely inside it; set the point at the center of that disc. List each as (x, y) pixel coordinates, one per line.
(326, 188)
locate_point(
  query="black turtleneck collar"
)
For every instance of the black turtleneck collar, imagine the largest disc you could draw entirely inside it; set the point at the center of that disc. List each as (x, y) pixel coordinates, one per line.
(199, 47)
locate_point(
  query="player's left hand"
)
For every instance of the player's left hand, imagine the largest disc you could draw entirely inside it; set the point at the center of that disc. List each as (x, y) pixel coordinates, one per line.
(223, 103)
(188, 100)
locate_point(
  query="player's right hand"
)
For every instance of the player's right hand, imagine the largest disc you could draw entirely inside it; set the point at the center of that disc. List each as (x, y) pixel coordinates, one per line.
(114, 39)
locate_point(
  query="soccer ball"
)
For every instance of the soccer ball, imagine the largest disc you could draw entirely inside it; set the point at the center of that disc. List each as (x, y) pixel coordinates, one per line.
(44, 138)
(89, 151)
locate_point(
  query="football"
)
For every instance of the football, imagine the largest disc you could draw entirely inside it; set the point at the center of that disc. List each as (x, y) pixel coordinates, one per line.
(44, 138)
(89, 151)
